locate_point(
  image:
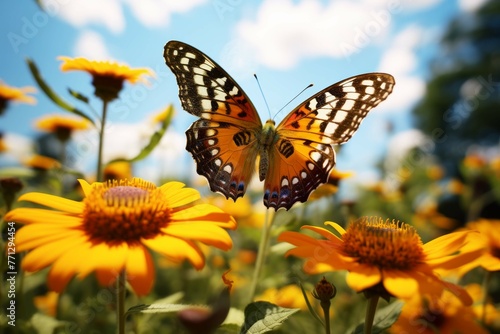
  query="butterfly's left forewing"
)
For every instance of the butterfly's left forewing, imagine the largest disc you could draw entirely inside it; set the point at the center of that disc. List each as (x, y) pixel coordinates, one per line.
(303, 155)
(223, 140)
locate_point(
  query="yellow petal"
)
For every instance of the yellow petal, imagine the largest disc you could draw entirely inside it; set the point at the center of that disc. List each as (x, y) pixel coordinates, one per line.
(41, 216)
(205, 233)
(454, 261)
(313, 267)
(105, 257)
(67, 266)
(490, 262)
(336, 226)
(324, 232)
(57, 281)
(363, 277)
(176, 249)
(140, 270)
(179, 196)
(172, 187)
(55, 202)
(105, 277)
(400, 284)
(204, 213)
(86, 187)
(297, 239)
(445, 245)
(32, 236)
(44, 255)
(459, 292)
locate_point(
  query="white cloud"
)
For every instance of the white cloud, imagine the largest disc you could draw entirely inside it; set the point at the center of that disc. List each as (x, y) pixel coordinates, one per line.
(91, 45)
(284, 32)
(470, 5)
(400, 61)
(110, 13)
(83, 13)
(157, 13)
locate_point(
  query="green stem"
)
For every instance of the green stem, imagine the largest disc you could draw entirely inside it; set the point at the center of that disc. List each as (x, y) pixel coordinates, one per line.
(326, 311)
(120, 302)
(371, 308)
(101, 141)
(261, 255)
(486, 283)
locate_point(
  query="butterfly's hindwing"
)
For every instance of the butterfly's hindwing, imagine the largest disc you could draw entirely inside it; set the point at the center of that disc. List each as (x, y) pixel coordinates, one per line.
(224, 154)
(299, 166)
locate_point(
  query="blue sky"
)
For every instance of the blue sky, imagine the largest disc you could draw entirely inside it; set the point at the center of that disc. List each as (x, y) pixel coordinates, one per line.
(288, 44)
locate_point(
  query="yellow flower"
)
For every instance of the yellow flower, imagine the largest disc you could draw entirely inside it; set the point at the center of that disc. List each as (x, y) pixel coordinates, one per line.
(490, 239)
(118, 170)
(108, 76)
(162, 115)
(331, 186)
(61, 126)
(383, 256)
(489, 314)
(288, 296)
(8, 93)
(445, 316)
(435, 172)
(43, 163)
(47, 303)
(3, 146)
(114, 229)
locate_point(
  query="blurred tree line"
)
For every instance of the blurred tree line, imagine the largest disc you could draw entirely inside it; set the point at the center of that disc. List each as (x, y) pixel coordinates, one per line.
(452, 176)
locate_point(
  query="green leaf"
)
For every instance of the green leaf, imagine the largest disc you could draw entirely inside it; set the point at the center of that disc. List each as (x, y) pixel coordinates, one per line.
(79, 96)
(161, 308)
(153, 142)
(53, 95)
(261, 317)
(45, 324)
(384, 318)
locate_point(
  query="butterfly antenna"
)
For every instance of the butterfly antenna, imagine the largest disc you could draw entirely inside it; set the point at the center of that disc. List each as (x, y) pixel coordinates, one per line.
(263, 96)
(302, 91)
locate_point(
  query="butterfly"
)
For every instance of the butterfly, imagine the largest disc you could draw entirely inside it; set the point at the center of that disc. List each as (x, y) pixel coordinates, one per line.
(228, 137)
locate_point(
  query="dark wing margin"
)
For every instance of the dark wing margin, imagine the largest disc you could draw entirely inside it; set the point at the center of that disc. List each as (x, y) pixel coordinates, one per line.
(337, 111)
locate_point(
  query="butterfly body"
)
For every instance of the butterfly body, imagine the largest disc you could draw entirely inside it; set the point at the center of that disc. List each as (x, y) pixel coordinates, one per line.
(295, 157)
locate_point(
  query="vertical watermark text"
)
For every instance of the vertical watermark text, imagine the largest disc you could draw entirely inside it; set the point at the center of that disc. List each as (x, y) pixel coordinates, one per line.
(11, 273)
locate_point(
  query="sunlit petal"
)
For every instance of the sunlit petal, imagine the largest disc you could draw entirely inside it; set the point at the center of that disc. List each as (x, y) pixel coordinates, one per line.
(140, 270)
(177, 250)
(54, 202)
(363, 277)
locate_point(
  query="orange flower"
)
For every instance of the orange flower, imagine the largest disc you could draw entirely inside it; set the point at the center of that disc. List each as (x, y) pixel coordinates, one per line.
(490, 240)
(445, 316)
(288, 296)
(61, 126)
(108, 76)
(8, 93)
(43, 163)
(113, 230)
(384, 256)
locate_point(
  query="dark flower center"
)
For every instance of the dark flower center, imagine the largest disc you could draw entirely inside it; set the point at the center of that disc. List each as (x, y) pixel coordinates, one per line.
(125, 213)
(384, 244)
